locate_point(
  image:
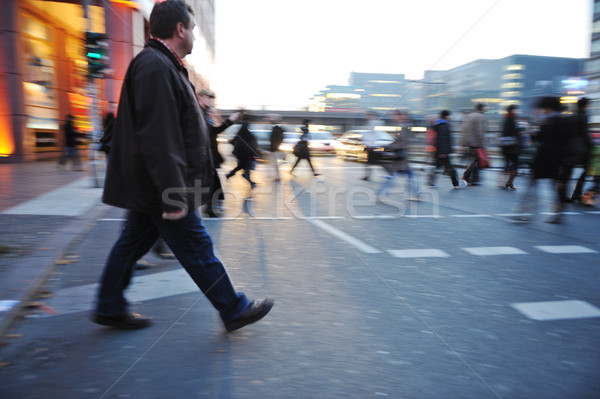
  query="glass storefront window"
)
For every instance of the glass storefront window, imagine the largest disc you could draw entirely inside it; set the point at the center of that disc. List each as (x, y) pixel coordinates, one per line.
(39, 81)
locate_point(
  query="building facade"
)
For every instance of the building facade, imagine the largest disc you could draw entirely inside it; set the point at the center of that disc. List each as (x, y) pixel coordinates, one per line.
(44, 70)
(592, 70)
(517, 79)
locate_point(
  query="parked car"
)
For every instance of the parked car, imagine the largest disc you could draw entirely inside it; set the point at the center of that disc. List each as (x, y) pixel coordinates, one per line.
(320, 143)
(351, 146)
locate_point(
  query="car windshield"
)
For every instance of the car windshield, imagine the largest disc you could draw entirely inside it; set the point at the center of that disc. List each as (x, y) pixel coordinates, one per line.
(261, 134)
(320, 136)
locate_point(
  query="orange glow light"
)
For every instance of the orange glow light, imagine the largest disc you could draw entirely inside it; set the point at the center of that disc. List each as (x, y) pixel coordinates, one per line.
(7, 141)
(128, 3)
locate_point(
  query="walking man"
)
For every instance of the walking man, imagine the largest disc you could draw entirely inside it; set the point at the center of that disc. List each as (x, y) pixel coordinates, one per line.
(443, 146)
(160, 164)
(473, 138)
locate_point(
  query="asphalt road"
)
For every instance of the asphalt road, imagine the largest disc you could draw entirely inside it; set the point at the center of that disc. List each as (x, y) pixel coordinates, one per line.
(441, 298)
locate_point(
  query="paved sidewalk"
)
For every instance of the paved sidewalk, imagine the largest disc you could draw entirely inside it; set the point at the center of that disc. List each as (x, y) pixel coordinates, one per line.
(43, 210)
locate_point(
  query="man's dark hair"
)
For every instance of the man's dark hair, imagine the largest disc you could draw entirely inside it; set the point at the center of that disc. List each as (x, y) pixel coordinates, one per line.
(551, 103)
(511, 108)
(444, 114)
(582, 103)
(480, 106)
(165, 16)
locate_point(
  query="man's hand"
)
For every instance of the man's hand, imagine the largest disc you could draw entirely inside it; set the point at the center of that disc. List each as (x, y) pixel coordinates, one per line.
(234, 117)
(175, 215)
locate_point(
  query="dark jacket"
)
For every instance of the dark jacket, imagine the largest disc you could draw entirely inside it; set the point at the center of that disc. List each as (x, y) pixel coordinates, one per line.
(245, 147)
(553, 139)
(276, 138)
(71, 135)
(161, 145)
(214, 144)
(510, 129)
(443, 137)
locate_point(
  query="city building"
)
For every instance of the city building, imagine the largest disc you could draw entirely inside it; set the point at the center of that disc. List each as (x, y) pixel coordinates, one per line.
(592, 70)
(517, 79)
(44, 66)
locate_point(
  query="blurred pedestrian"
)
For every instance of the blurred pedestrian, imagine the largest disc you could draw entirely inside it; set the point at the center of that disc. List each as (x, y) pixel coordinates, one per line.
(206, 99)
(245, 150)
(275, 141)
(398, 164)
(369, 139)
(160, 163)
(443, 149)
(473, 135)
(107, 127)
(302, 150)
(553, 138)
(582, 134)
(510, 142)
(71, 137)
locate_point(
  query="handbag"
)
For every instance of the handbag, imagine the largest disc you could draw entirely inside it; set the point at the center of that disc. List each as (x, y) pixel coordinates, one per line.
(482, 158)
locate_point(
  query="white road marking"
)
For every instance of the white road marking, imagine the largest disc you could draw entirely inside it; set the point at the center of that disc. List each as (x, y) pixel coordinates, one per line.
(73, 199)
(485, 251)
(565, 249)
(557, 310)
(143, 288)
(471, 216)
(418, 253)
(361, 246)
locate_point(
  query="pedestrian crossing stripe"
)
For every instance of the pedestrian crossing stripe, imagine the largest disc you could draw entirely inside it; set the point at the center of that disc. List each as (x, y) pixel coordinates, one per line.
(565, 249)
(483, 251)
(557, 310)
(418, 253)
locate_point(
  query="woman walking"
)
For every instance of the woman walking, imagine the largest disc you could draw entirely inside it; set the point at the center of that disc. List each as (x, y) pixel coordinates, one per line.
(511, 146)
(301, 150)
(245, 149)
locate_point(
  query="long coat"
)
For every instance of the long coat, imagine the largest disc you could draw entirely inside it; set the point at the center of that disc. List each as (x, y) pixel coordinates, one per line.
(473, 130)
(160, 151)
(510, 129)
(553, 139)
(443, 137)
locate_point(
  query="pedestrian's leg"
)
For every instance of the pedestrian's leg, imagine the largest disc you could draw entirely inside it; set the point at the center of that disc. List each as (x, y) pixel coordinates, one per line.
(413, 182)
(246, 176)
(436, 165)
(275, 158)
(311, 166)
(578, 191)
(136, 239)
(449, 169)
(296, 164)
(234, 171)
(193, 247)
(387, 184)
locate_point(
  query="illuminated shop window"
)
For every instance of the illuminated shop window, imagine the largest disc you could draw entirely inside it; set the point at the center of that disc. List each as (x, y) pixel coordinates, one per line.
(39, 81)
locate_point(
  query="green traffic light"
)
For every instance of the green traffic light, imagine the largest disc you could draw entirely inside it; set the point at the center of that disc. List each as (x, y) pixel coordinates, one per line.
(94, 55)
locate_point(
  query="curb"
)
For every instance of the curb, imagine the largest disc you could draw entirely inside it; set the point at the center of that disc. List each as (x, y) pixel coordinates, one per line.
(22, 282)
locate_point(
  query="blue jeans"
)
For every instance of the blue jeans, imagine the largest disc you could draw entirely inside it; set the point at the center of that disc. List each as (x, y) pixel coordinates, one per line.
(389, 182)
(192, 246)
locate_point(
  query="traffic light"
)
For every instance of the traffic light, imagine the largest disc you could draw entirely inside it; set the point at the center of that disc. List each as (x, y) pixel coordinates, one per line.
(96, 46)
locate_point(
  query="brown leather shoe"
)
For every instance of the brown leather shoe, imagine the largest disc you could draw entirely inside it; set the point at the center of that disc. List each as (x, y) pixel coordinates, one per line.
(127, 321)
(253, 313)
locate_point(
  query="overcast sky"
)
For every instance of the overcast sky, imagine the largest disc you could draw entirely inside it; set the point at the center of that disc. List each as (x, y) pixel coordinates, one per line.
(279, 53)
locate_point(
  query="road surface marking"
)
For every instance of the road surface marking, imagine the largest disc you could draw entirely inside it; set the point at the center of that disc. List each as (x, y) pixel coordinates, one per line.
(565, 249)
(418, 253)
(485, 251)
(143, 288)
(557, 310)
(73, 199)
(361, 246)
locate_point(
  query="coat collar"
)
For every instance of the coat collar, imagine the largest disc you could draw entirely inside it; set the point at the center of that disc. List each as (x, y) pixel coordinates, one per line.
(159, 44)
